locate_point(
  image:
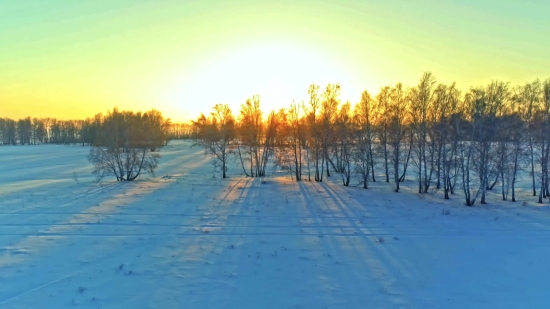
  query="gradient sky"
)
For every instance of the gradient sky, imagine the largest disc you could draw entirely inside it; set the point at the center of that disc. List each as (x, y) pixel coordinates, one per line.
(72, 59)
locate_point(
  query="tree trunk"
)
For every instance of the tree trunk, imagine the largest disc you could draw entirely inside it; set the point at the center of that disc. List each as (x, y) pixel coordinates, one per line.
(532, 165)
(402, 178)
(386, 163)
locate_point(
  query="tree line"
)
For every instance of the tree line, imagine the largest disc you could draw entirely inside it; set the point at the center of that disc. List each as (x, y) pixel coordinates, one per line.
(458, 142)
(124, 143)
(34, 131)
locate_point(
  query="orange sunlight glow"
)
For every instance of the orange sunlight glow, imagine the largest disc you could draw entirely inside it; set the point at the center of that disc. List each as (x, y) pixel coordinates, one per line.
(279, 72)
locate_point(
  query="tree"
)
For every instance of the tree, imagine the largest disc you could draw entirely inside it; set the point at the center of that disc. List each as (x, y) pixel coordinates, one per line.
(123, 148)
(345, 137)
(9, 131)
(466, 145)
(512, 133)
(314, 129)
(249, 135)
(396, 127)
(421, 99)
(215, 134)
(542, 138)
(39, 130)
(295, 137)
(24, 130)
(383, 106)
(447, 127)
(363, 156)
(529, 97)
(272, 127)
(329, 112)
(155, 129)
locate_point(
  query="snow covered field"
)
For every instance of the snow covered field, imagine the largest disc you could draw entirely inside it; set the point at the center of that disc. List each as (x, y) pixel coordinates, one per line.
(184, 239)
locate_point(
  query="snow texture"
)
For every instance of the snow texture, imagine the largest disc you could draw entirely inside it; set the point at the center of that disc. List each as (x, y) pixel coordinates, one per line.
(187, 239)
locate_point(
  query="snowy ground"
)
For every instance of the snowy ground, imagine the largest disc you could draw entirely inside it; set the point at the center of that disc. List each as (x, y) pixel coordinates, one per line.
(184, 239)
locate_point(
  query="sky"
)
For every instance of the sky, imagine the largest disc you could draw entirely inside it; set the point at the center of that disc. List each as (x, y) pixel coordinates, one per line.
(73, 59)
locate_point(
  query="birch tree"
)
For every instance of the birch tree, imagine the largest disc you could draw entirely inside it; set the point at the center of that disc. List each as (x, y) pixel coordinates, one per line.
(215, 134)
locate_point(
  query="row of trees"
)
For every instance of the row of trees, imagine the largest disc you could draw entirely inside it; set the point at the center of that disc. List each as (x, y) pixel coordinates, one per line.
(39, 130)
(253, 138)
(124, 142)
(32, 131)
(180, 131)
(450, 140)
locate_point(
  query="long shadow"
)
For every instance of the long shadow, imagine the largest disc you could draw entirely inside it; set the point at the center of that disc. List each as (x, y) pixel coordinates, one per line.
(342, 245)
(201, 258)
(384, 264)
(49, 246)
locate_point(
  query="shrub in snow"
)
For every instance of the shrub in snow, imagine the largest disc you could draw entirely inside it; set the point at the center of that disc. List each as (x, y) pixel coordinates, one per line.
(126, 142)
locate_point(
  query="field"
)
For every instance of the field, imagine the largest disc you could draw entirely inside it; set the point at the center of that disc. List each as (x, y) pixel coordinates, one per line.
(187, 239)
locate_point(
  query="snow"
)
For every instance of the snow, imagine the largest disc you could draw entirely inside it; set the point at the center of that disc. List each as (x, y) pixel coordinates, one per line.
(186, 239)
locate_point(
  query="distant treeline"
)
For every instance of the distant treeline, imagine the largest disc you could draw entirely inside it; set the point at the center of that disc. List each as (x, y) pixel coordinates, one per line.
(124, 143)
(32, 131)
(451, 140)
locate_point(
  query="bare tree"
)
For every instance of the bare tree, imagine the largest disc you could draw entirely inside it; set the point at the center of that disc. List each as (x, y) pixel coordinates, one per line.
(466, 146)
(9, 131)
(314, 142)
(482, 105)
(447, 126)
(249, 130)
(363, 156)
(529, 97)
(383, 106)
(155, 129)
(514, 129)
(503, 148)
(269, 137)
(124, 165)
(421, 99)
(542, 129)
(215, 134)
(329, 112)
(396, 127)
(295, 138)
(24, 130)
(345, 137)
(121, 150)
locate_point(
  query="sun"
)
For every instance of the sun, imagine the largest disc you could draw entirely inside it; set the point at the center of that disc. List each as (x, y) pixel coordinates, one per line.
(279, 71)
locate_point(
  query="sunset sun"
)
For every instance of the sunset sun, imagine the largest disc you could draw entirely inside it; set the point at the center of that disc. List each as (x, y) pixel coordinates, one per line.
(279, 71)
